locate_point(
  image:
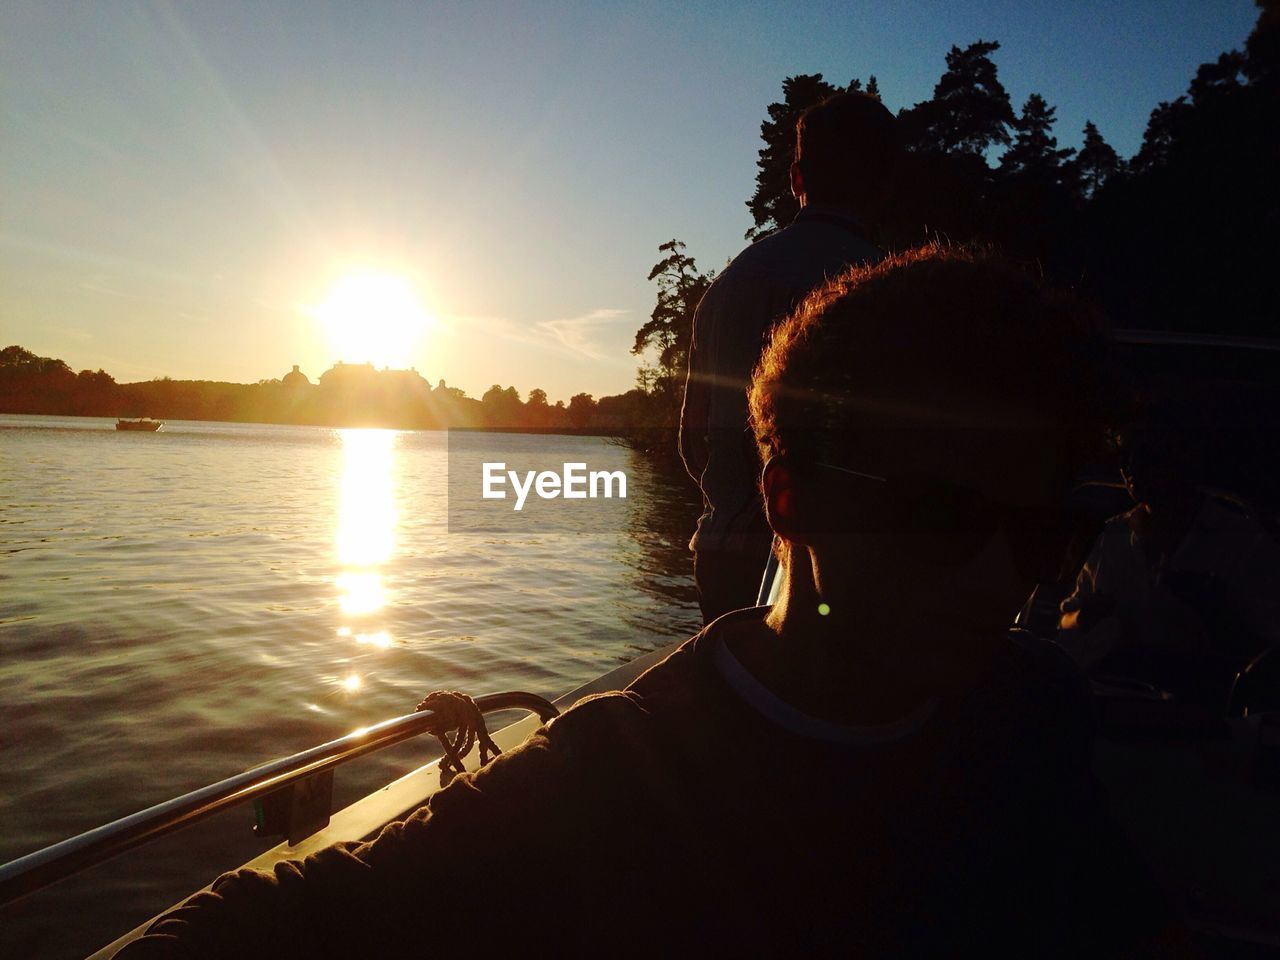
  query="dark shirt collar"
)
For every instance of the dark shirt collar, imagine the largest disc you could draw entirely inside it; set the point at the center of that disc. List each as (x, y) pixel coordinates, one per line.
(820, 213)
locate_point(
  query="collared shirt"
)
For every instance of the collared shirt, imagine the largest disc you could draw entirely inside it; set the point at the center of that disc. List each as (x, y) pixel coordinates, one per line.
(761, 286)
(1219, 591)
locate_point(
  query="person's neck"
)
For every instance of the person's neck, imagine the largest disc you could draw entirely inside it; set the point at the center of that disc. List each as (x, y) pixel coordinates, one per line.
(834, 206)
(862, 220)
(851, 663)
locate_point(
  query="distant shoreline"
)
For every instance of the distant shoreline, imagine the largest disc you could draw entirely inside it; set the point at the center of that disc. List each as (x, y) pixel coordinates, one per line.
(547, 431)
(346, 395)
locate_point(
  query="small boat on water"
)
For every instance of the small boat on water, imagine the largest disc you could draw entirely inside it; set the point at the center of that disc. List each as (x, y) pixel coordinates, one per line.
(141, 423)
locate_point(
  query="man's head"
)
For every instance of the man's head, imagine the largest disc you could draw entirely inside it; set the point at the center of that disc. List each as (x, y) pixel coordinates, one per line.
(920, 421)
(847, 151)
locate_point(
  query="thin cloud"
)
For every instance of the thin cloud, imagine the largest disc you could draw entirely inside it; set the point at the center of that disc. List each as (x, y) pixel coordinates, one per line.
(578, 334)
(570, 336)
(75, 333)
(480, 326)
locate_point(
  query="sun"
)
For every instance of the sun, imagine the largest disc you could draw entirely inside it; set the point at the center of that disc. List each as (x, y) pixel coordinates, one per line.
(374, 317)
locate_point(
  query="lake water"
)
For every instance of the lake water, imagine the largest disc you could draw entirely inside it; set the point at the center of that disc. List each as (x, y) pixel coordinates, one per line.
(177, 607)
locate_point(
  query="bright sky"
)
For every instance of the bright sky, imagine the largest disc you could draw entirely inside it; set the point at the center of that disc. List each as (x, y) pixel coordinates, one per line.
(204, 190)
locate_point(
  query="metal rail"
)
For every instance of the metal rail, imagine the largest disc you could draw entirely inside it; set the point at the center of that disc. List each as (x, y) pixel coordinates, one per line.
(1180, 339)
(44, 867)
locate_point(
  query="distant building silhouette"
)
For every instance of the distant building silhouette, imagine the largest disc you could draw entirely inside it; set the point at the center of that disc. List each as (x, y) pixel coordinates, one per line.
(342, 374)
(295, 378)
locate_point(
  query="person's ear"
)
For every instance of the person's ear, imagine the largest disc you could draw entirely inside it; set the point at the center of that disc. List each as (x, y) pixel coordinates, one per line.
(783, 505)
(797, 181)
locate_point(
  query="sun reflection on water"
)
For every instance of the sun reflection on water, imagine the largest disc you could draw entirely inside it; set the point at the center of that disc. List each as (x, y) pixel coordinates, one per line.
(365, 535)
(360, 592)
(367, 511)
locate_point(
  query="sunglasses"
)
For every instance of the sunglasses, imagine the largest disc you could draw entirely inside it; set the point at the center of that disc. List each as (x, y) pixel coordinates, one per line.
(958, 521)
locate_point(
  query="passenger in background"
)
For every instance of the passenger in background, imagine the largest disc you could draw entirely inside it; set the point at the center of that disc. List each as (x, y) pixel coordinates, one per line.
(847, 160)
(871, 767)
(1183, 574)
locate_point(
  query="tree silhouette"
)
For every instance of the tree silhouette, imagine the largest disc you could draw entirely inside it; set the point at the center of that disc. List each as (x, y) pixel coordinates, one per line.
(1160, 135)
(1262, 49)
(582, 406)
(35, 384)
(1034, 153)
(1096, 163)
(537, 411)
(670, 325)
(969, 112)
(1200, 200)
(502, 408)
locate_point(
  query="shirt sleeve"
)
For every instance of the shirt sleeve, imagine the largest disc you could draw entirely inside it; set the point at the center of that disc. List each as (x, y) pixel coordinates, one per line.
(694, 412)
(731, 328)
(1087, 579)
(1108, 572)
(424, 884)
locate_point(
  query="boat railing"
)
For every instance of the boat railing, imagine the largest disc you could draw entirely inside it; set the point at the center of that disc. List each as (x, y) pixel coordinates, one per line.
(295, 794)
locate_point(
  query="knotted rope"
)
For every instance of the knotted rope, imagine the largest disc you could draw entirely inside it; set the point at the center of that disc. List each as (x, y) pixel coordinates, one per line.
(457, 711)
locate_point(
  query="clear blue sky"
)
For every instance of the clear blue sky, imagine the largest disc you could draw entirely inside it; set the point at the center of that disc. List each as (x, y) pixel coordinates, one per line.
(180, 181)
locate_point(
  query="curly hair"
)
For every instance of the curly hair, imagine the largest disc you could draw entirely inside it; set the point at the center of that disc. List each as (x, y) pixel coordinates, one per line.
(938, 339)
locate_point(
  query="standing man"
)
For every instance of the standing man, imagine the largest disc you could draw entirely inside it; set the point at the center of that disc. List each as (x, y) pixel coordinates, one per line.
(847, 153)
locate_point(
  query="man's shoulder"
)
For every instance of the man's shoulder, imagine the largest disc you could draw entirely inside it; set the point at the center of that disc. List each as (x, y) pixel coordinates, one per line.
(799, 252)
(588, 718)
(684, 680)
(623, 714)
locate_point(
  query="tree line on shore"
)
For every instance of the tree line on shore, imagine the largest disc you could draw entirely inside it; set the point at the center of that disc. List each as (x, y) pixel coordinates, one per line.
(347, 395)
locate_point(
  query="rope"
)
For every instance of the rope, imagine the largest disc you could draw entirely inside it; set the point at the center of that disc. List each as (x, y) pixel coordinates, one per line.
(457, 711)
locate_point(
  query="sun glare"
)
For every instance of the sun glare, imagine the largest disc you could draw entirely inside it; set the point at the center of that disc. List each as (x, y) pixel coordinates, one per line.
(373, 317)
